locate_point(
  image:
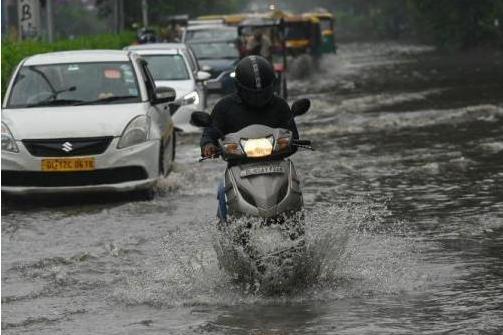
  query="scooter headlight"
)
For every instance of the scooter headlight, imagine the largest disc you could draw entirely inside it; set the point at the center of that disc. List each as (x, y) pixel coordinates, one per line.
(136, 132)
(8, 142)
(258, 147)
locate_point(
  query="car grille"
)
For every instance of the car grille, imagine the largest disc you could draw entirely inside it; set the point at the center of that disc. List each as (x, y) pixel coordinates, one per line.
(68, 147)
(81, 178)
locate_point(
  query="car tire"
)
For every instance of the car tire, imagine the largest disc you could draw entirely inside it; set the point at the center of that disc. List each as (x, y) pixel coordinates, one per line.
(145, 195)
(163, 172)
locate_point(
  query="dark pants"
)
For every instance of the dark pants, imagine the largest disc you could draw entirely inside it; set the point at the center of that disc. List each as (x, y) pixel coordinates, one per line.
(222, 205)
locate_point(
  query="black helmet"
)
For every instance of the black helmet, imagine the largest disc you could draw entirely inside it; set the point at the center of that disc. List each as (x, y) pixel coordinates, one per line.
(255, 80)
(146, 35)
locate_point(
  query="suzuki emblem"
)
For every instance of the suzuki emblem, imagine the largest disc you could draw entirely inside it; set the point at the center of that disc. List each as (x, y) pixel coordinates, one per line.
(67, 147)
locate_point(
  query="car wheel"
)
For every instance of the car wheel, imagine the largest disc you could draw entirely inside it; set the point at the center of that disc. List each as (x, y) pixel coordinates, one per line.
(166, 163)
(145, 195)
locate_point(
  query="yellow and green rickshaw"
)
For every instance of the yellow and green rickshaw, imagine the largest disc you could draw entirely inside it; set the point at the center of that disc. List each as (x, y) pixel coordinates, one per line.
(302, 35)
(327, 27)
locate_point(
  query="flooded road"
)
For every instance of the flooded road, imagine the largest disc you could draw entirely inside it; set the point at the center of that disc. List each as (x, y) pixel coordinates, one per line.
(404, 196)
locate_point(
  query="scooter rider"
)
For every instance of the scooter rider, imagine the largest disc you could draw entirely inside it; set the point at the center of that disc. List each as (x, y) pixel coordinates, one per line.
(253, 103)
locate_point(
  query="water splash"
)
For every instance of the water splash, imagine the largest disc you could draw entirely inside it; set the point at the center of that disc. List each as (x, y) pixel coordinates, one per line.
(348, 249)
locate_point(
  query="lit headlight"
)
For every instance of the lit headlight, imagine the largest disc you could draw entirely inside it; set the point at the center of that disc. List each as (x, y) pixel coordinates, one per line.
(137, 131)
(259, 147)
(191, 99)
(8, 142)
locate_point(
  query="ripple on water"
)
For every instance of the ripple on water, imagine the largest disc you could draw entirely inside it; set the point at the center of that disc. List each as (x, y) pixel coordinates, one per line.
(352, 250)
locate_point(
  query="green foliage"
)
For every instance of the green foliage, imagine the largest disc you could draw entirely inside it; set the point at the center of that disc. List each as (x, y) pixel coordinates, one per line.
(14, 52)
(73, 19)
(459, 23)
(160, 9)
(448, 23)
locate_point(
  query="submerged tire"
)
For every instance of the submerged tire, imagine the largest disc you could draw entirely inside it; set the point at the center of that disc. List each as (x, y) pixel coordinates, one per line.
(144, 195)
(164, 166)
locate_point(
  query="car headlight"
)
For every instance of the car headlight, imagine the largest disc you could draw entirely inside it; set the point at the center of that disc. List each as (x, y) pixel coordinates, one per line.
(136, 132)
(8, 142)
(191, 99)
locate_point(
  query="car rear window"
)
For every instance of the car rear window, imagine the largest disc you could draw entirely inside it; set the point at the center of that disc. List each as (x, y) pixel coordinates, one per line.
(167, 67)
(218, 34)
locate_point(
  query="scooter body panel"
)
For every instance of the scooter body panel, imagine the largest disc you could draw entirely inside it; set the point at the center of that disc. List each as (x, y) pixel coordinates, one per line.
(265, 189)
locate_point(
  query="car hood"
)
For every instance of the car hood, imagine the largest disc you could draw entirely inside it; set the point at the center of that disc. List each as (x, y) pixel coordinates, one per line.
(71, 121)
(219, 65)
(182, 87)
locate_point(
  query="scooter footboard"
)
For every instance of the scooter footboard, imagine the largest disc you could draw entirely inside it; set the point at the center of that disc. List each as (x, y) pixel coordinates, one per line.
(262, 189)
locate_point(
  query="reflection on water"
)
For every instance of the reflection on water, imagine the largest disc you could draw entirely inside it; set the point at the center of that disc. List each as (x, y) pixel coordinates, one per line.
(404, 203)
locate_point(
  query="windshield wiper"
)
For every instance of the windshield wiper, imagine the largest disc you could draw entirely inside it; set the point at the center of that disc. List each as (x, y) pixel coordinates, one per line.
(107, 100)
(55, 94)
(55, 102)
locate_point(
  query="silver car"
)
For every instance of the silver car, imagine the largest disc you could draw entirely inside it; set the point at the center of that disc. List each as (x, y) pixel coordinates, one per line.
(174, 65)
(85, 121)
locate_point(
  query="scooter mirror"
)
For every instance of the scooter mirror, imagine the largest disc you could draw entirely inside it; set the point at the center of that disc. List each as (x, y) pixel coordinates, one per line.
(301, 106)
(200, 119)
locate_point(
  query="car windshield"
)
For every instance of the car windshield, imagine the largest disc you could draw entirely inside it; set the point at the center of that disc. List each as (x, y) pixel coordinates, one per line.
(76, 83)
(167, 67)
(210, 34)
(216, 50)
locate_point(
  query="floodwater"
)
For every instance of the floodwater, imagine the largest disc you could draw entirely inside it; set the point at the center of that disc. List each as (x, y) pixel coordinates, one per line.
(404, 202)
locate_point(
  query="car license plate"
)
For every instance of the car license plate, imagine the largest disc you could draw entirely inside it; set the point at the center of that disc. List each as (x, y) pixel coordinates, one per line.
(68, 164)
(269, 169)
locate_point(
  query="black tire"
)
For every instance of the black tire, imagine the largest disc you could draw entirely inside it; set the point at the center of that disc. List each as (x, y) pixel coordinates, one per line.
(173, 147)
(163, 173)
(161, 160)
(145, 195)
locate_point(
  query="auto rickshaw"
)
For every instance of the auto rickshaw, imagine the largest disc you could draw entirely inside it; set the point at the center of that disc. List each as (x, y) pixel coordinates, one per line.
(274, 30)
(327, 27)
(303, 35)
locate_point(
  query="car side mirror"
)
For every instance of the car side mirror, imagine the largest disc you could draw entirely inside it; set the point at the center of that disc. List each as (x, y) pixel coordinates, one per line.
(200, 119)
(301, 106)
(163, 95)
(202, 76)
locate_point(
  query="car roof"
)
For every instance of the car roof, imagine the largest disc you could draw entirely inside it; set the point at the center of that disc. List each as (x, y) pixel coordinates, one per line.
(211, 41)
(78, 56)
(210, 27)
(157, 46)
(152, 51)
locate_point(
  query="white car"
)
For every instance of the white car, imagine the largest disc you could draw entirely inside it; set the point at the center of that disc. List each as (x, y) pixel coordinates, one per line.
(174, 65)
(209, 32)
(85, 121)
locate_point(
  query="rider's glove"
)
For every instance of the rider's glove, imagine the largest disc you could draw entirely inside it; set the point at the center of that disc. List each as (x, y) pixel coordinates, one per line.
(209, 150)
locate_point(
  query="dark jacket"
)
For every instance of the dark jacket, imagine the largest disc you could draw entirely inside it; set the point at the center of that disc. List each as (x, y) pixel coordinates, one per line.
(231, 114)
